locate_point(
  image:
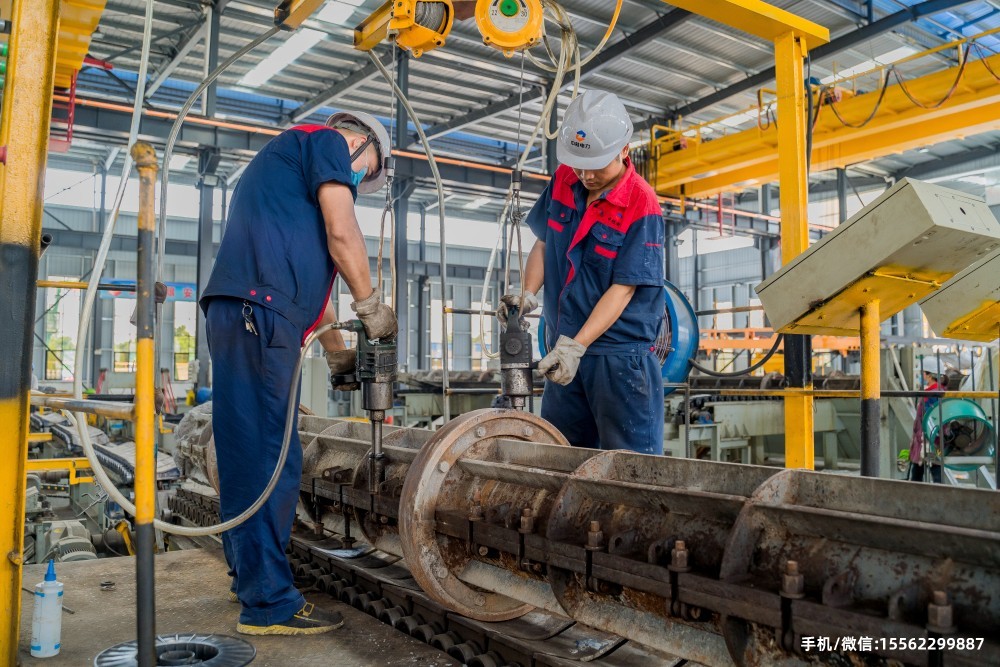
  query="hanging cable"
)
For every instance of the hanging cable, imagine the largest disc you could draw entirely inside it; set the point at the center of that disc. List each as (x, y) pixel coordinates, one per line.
(387, 209)
(963, 61)
(746, 371)
(432, 163)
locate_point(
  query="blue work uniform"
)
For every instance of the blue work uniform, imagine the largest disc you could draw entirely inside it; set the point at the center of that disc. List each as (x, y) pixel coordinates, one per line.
(273, 268)
(616, 399)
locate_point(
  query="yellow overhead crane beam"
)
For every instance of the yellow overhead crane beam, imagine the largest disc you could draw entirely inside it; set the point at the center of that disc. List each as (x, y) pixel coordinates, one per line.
(750, 157)
(758, 18)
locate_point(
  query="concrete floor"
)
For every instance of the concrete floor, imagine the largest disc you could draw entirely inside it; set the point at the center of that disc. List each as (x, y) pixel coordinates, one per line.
(191, 588)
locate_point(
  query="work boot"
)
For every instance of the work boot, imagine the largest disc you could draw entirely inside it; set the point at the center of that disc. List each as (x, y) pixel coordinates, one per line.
(233, 597)
(309, 620)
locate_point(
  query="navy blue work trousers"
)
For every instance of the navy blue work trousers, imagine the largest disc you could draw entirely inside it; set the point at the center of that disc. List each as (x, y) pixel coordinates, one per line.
(252, 378)
(614, 402)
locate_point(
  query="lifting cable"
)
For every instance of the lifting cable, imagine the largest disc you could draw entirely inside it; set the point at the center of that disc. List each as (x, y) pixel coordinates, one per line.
(432, 163)
(568, 58)
(388, 208)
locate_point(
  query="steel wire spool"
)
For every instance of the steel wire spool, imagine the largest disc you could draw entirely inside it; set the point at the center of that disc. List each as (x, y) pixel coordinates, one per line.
(431, 15)
(184, 649)
(967, 430)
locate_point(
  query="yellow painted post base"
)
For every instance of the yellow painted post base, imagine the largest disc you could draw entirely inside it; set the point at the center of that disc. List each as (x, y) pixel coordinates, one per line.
(799, 427)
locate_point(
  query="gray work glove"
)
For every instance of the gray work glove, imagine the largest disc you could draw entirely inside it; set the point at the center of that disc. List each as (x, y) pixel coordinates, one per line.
(342, 362)
(514, 301)
(378, 318)
(561, 364)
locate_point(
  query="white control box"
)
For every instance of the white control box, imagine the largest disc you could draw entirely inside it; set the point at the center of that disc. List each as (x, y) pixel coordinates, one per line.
(968, 306)
(898, 249)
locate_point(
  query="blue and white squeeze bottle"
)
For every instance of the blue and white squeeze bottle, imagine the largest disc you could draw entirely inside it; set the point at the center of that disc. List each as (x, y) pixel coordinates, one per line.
(46, 622)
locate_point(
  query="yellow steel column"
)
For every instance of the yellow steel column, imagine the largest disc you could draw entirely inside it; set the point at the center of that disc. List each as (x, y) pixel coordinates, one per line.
(31, 65)
(145, 456)
(871, 387)
(789, 50)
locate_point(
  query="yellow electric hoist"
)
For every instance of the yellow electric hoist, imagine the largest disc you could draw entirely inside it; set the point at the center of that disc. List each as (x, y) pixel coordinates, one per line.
(422, 25)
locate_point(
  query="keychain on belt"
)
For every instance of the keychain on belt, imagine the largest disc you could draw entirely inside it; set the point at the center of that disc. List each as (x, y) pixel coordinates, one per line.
(247, 322)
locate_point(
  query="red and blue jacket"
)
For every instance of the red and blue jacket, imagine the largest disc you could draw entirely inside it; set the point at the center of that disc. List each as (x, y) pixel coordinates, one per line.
(617, 240)
(274, 252)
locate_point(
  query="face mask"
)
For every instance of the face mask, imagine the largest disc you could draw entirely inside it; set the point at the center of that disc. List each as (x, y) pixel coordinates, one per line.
(358, 176)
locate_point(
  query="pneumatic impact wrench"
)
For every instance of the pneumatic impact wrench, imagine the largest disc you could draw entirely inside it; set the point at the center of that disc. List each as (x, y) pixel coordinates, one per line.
(375, 372)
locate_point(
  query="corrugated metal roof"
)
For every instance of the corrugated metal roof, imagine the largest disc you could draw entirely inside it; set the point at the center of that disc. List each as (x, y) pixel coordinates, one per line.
(682, 64)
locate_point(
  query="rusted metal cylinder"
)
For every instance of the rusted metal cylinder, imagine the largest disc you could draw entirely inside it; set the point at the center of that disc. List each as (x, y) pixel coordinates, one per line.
(717, 563)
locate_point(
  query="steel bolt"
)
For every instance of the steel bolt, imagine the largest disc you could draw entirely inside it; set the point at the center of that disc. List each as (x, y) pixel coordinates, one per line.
(476, 513)
(679, 557)
(443, 466)
(793, 584)
(483, 551)
(529, 431)
(940, 617)
(595, 537)
(527, 520)
(480, 600)
(15, 557)
(441, 571)
(480, 432)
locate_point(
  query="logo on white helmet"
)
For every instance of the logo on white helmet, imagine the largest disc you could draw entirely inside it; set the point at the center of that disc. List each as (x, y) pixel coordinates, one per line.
(579, 141)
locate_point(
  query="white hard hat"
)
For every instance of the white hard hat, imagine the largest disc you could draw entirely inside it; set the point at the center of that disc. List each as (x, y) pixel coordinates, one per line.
(596, 127)
(931, 365)
(365, 123)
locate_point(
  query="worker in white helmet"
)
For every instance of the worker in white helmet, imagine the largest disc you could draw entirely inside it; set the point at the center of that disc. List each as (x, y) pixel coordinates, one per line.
(934, 379)
(599, 255)
(291, 230)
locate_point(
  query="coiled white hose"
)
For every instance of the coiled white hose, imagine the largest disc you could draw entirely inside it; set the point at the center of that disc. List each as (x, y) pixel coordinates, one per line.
(198, 531)
(79, 419)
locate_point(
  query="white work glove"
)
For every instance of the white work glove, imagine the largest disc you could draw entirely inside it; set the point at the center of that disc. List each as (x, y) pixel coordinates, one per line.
(378, 318)
(514, 301)
(561, 364)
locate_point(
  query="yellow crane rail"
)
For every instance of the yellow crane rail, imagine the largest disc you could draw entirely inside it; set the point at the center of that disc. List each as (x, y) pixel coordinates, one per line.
(748, 158)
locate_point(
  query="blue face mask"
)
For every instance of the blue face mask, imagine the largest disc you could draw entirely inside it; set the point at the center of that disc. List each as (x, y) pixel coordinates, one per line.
(358, 176)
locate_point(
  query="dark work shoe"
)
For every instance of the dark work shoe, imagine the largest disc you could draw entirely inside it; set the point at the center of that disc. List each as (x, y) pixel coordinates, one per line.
(310, 620)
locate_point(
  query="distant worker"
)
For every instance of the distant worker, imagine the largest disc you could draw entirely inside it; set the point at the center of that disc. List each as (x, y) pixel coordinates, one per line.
(292, 229)
(934, 380)
(599, 255)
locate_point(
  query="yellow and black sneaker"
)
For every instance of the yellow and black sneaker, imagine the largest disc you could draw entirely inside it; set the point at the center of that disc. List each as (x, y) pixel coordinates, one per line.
(307, 621)
(233, 597)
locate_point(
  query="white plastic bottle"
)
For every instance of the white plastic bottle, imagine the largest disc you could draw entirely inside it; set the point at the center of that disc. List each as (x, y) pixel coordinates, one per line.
(46, 622)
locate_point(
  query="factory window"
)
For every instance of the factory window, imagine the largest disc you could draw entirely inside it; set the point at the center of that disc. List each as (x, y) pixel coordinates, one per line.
(124, 336)
(756, 316)
(62, 316)
(482, 330)
(185, 321)
(436, 337)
